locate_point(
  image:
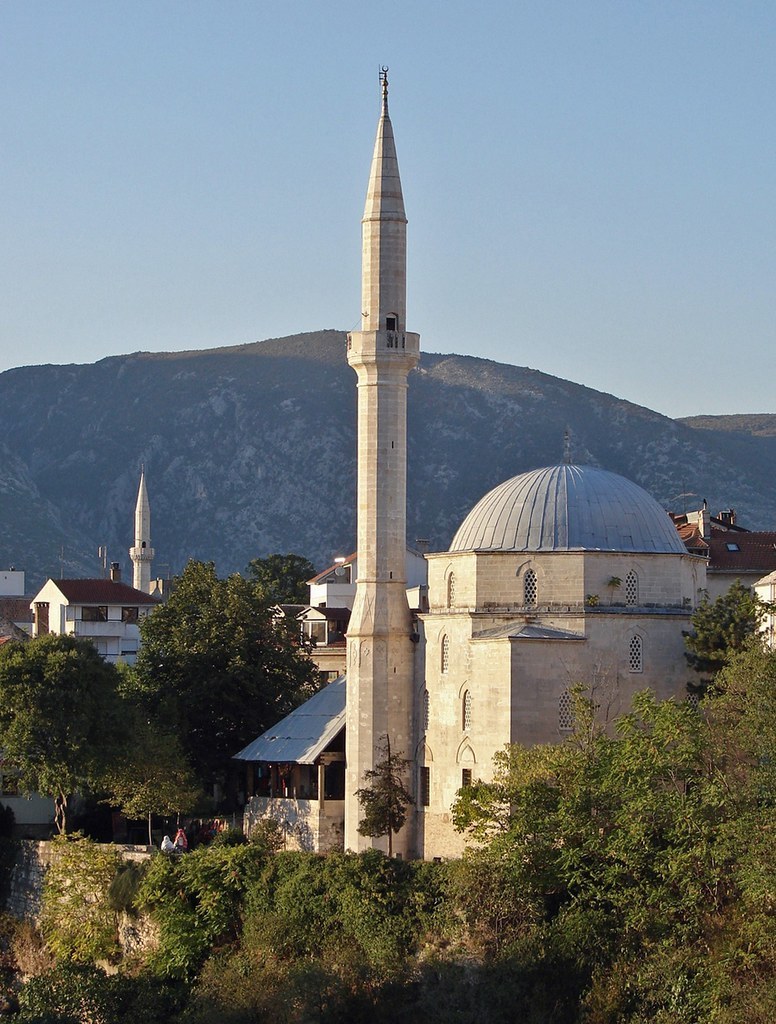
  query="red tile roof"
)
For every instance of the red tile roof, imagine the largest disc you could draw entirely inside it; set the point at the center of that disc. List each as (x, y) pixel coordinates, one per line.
(332, 568)
(754, 552)
(102, 592)
(691, 535)
(15, 609)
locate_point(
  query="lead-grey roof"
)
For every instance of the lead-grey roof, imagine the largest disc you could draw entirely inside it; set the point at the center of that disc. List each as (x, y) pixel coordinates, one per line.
(568, 508)
(526, 631)
(302, 736)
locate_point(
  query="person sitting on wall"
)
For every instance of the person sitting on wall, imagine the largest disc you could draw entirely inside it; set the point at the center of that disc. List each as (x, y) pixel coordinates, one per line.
(168, 846)
(181, 842)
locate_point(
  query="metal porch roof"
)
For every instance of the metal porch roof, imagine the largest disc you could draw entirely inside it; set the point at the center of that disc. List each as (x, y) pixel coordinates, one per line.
(302, 736)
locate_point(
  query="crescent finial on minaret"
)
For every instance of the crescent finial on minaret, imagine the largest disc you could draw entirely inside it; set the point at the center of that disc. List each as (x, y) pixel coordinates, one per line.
(384, 81)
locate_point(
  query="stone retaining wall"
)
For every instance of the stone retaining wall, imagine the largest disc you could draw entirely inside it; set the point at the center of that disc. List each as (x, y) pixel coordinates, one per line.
(32, 862)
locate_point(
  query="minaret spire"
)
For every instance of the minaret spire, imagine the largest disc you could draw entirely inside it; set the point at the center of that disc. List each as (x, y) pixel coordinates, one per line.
(384, 233)
(380, 650)
(142, 553)
(384, 80)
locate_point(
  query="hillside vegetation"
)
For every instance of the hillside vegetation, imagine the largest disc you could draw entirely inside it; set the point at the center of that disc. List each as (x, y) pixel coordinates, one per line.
(613, 879)
(251, 450)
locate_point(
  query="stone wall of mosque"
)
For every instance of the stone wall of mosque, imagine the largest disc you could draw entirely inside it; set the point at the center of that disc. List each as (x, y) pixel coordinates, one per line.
(503, 580)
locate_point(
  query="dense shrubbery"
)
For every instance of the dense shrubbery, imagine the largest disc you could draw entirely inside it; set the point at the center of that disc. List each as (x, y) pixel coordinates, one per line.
(616, 880)
(77, 921)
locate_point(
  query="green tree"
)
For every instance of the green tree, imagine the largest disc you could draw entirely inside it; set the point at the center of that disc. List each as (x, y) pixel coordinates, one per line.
(76, 920)
(619, 824)
(217, 669)
(384, 799)
(644, 858)
(153, 776)
(282, 578)
(721, 628)
(196, 902)
(61, 717)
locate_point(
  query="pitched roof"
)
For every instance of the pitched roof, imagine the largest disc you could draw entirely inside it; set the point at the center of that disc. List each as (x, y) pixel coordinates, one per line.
(102, 591)
(692, 538)
(15, 609)
(329, 613)
(744, 552)
(333, 568)
(526, 631)
(290, 609)
(303, 735)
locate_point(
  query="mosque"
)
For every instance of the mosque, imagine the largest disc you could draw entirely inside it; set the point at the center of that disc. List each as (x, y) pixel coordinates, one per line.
(561, 576)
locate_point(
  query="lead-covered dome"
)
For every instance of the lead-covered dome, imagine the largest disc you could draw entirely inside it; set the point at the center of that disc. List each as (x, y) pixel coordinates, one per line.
(568, 508)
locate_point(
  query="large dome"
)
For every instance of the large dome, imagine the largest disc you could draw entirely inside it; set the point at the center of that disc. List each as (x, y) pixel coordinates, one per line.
(568, 508)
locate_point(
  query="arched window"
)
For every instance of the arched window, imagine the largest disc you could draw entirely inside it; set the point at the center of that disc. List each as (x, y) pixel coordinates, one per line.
(636, 654)
(424, 786)
(467, 711)
(565, 712)
(426, 709)
(530, 589)
(631, 588)
(445, 658)
(451, 590)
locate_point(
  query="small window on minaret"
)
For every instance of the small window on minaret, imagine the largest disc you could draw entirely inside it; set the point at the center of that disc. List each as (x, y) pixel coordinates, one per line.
(390, 323)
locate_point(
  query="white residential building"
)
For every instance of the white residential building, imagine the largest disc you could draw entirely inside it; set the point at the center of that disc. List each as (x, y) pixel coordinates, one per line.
(105, 611)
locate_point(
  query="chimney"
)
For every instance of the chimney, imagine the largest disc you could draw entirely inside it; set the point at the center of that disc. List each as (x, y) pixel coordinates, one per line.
(728, 516)
(704, 522)
(115, 572)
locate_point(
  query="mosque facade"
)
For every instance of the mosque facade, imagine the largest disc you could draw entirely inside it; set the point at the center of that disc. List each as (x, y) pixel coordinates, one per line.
(563, 576)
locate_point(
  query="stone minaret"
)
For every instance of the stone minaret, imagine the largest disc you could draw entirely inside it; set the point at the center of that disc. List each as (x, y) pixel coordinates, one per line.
(142, 553)
(380, 651)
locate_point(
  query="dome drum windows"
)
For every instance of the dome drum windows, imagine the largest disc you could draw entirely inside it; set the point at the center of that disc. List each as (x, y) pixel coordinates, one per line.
(631, 589)
(445, 655)
(451, 590)
(530, 589)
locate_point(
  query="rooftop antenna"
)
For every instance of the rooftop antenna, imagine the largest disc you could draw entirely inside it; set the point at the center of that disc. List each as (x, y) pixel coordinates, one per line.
(102, 554)
(567, 446)
(62, 562)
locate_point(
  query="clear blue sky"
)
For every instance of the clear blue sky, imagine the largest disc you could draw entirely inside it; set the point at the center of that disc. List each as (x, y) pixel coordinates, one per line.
(590, 185)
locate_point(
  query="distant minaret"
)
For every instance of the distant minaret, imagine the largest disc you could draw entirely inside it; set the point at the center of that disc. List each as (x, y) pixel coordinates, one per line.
(142, 553)
(380, 656)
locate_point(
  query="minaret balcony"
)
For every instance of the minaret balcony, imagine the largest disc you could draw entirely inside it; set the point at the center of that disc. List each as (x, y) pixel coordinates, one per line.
(375, 343)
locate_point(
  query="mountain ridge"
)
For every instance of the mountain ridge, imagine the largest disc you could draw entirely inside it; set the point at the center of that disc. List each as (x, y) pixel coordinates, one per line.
(250, 449)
